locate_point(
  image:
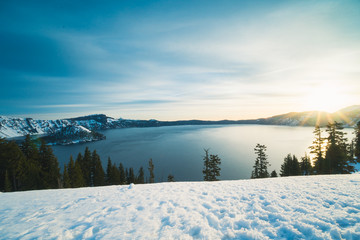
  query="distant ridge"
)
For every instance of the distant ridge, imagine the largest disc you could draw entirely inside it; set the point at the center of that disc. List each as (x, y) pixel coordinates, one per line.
(80, 129)
(349, 116)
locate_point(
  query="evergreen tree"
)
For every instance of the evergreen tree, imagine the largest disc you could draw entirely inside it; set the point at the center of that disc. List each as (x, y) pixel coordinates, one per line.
(206, 169)
(77, 179)
(290, 166)
(285, 169)
(215, 169)
(66, 178)
(141, 177)
(29, 148)
(305, 165)
(357, 142)
(7, 183)
(11, 158)
(71, 170)
(109, 172)
(50, 170)
(295, 166)
(127, 176)
(131, 177)
(30, 175)
(273, 174)
(116, 175)
(97, 171)
(151, 171)
(211, 168)
(171, 178)
(79, 159)
(261, 163)
(86, 164)
(337, 158)
(317, 149)
(122, 174)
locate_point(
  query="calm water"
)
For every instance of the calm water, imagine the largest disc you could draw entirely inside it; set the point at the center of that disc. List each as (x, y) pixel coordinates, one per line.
(179, 150)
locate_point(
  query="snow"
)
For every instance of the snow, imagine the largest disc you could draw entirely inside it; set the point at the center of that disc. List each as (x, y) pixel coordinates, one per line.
(311, 207)
(18, 127)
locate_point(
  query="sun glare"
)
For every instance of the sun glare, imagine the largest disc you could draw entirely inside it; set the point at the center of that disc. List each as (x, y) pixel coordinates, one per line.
(325, 98)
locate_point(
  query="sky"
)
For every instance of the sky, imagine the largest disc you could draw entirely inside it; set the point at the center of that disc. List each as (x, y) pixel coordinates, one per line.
(171, 60)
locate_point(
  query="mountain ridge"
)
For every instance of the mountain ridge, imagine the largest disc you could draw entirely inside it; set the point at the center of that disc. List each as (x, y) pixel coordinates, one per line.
(84, 128)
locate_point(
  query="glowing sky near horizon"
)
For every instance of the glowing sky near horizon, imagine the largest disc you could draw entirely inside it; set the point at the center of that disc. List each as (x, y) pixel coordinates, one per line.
(178, 59)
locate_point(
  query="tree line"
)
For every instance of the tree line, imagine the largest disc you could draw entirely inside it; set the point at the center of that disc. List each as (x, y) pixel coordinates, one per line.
(332, 155)
(28, 166)
(87, 171)
(32, 165)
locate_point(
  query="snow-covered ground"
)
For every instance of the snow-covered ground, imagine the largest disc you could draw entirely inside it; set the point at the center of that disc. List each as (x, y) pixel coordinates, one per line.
(314, 207)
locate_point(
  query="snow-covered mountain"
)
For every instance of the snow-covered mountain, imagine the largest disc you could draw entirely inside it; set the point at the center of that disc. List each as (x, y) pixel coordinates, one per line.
(307, 207)
(63, 131)
(16, 127)
(85, 127)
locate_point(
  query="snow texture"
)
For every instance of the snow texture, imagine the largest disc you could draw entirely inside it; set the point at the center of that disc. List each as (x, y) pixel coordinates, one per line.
(312, 207)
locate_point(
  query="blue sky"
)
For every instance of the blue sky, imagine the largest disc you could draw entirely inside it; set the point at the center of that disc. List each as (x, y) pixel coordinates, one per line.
(178, 59)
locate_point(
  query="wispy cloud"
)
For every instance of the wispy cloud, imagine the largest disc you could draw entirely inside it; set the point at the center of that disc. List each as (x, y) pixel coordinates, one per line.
(65, 106)
(164, 59)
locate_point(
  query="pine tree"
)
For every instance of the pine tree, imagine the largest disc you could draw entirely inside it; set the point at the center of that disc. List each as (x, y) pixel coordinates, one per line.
(86, 164)
(97, 171)
(122, 174)
(295, 167)
(30, 175)
(273, 174)
(206, 169)
(337, 158)
(261, 163)
(131, 176)
(109, 172)
(127, 176)
(141, 177)
(290, 166)
(211, 168)
(11, 159)
(116, 175)
(66, 178)
(357, 142)
(71, 170)
(151, 171)
(7, 184)
(285, 169)
(215, 169)
(29, 148)
(171, 178)
(50, 170)
(78, 178)
(305, 165)
(317, 149)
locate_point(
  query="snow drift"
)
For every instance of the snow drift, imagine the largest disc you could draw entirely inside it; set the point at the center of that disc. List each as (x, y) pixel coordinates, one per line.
(311, 207)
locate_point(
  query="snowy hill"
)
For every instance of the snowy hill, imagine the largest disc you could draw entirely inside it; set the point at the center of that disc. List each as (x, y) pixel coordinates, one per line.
(311, 207)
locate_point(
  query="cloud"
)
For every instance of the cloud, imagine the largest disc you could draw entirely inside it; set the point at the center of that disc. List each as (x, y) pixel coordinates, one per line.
(160, 55)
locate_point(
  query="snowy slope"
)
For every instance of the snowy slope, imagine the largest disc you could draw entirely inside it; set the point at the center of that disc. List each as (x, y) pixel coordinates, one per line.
(315, 207)
(17, 127)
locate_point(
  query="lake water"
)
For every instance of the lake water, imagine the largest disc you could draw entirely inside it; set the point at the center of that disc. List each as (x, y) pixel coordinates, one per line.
(178, 150)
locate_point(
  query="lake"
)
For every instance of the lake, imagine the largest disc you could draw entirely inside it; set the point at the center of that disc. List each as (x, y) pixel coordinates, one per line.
(179, 150)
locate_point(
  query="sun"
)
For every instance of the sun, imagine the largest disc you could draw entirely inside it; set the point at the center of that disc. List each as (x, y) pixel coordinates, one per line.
(327, 98)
